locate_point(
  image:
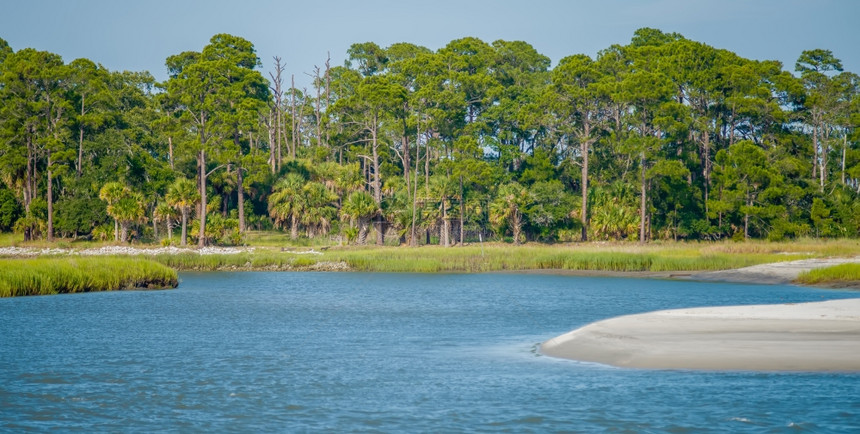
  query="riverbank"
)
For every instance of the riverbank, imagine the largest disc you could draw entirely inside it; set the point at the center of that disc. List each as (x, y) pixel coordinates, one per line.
(51, 275)
(725, 261)
(822, 336)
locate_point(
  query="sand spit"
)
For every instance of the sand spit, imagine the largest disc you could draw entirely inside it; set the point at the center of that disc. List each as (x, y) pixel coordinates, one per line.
(774, 273)
(822, 336)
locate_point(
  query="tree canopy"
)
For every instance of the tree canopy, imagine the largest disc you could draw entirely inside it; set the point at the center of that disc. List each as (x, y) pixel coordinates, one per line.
(661, 138)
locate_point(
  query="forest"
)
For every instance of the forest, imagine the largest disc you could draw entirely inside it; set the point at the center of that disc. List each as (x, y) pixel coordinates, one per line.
(664, 138)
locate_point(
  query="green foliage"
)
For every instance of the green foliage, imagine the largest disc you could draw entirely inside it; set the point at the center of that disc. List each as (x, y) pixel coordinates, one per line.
(58, 275)
(843, 273)
(661, 138)
(10, 210)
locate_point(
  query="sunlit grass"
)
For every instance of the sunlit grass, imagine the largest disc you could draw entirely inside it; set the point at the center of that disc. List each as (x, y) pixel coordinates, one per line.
(58, 275)
(282, 239)
(257, 260)
(530, 257)
(273, 250)
(842, 273)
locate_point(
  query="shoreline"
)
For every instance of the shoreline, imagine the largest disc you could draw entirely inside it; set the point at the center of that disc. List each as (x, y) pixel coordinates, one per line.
(776, 273)
(803, 337)
(213, 258)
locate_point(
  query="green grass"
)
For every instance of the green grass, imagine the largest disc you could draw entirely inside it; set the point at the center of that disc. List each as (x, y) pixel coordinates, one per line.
(532, 257)
(59, 275)
(659, 256)
(257, 260)
(281, 239)
(843, 273)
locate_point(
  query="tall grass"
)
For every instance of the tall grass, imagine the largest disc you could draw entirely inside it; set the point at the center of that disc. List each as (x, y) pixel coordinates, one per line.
(501, 257)
(842, 273)
(491, 257)
(55, 275)
(257, 260)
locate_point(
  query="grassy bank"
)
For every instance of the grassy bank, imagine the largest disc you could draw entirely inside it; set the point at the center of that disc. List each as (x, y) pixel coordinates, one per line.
(598, 258)
(59, 275)
(837, 275)
(256, 260)
(499, 257)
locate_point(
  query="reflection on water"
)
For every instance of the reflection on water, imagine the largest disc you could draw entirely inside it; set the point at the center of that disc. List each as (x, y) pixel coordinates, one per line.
(389, 352)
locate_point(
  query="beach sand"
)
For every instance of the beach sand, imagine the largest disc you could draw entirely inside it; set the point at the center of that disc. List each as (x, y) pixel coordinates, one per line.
(822, 336)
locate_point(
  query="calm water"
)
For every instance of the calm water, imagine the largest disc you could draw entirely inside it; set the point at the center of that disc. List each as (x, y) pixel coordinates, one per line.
(381, 352)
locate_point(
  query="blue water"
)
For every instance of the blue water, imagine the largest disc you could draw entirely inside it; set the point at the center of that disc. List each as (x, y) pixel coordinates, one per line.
(382, 352)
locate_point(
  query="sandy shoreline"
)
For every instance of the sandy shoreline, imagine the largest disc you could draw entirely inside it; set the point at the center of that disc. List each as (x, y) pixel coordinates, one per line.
(822, 336)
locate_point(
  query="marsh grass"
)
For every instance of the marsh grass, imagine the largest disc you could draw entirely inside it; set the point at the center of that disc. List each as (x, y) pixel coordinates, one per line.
(281, 239)
(256, 260)
(842, 273)
(536, 257)
(500, 257)
(59, 275)
(659, 256)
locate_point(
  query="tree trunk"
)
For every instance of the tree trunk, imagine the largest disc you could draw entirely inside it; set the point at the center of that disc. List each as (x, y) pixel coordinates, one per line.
(412, 239)
(706, 167)
(747, 220)
(327, 93)
(517, 223)
(169, 224)
(50, 200)
(294, 121)
(241, 199)
(446, 226)
(294, 227)
(642, 200)
(318, 85)
(28, 193)
(844, 150)
(584, 214)
(380, 231)
(362, 231)
(377, 181)
(462, 213)
(170, 151)
(814, 145)
(201, 162)
(822, 168)
(80, 163)
(184, 240)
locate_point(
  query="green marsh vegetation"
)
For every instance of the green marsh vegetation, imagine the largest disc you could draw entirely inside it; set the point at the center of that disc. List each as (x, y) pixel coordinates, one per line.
(843, 274)
(656, 257)
(61, 275)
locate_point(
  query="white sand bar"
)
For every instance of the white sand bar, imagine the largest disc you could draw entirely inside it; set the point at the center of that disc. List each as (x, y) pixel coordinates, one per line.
(823, 336)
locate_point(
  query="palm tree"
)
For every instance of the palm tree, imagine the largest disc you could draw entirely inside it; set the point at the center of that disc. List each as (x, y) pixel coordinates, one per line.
(166, 213)
(443, 188)
(507, 208)
(286, 202)
(319, 209)
(360, 207)
(111, 193)
(127, 210)
(182, 195)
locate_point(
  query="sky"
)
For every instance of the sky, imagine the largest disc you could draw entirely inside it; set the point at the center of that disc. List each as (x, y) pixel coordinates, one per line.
(139, 35)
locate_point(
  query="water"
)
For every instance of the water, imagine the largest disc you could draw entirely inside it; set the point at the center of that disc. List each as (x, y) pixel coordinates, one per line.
(382, 352)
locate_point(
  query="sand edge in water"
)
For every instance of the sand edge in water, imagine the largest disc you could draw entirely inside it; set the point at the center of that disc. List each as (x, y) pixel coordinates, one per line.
(820, 336)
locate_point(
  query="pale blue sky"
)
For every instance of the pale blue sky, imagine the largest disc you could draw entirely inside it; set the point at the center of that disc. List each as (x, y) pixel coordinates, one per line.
(139, 35)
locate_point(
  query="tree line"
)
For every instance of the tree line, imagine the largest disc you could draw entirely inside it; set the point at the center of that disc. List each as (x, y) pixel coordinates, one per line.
(662, 138)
